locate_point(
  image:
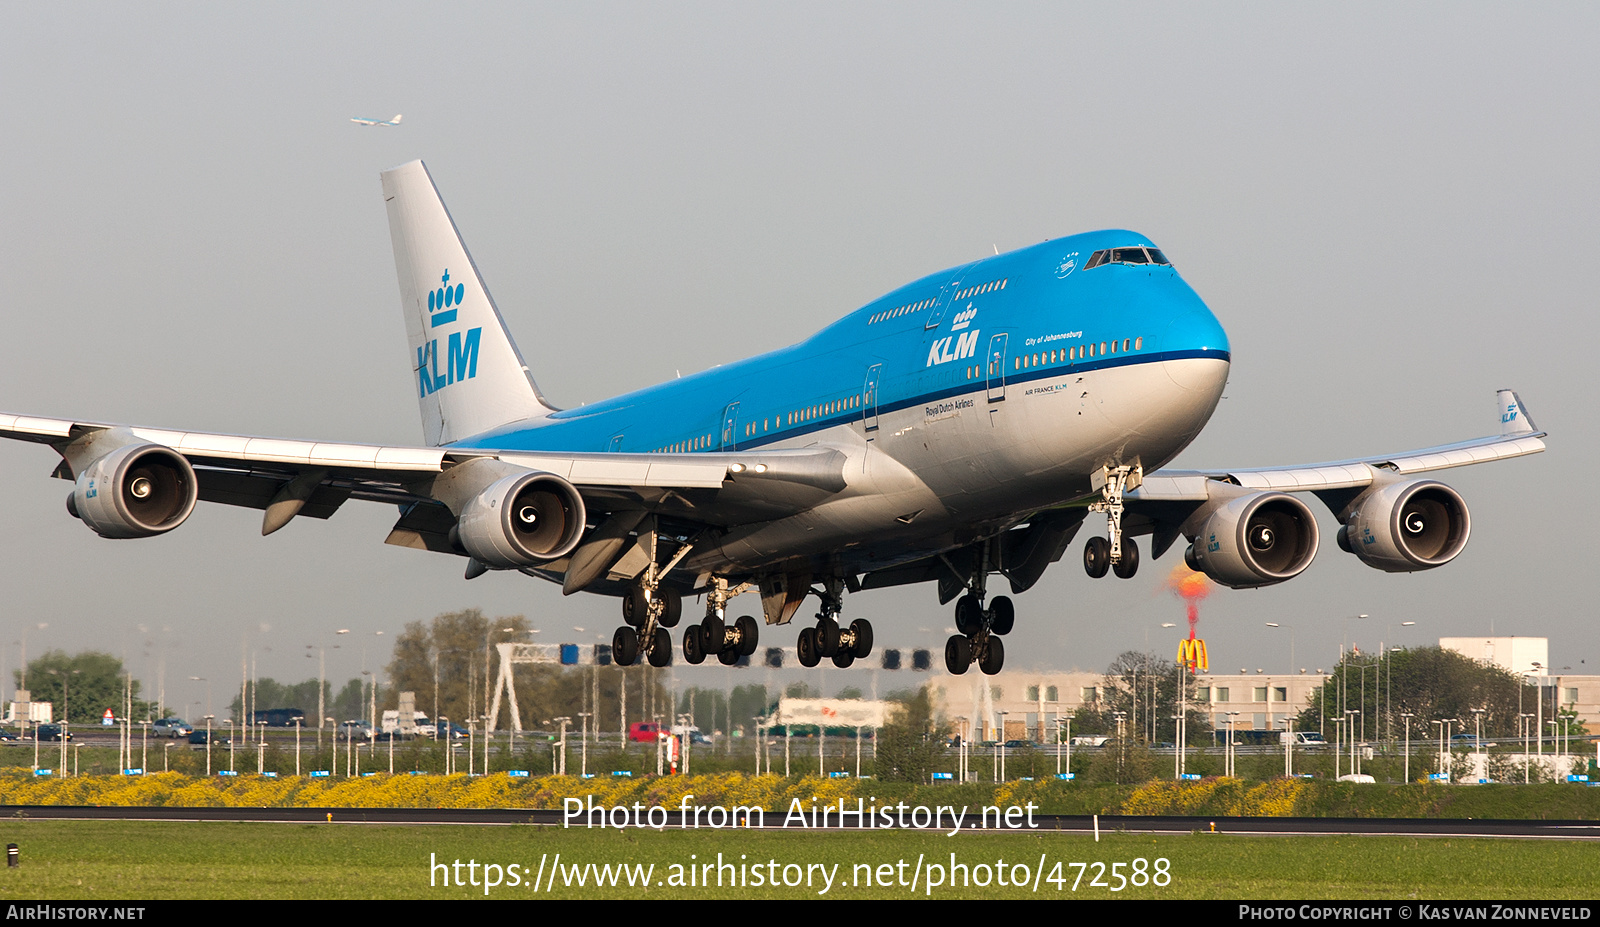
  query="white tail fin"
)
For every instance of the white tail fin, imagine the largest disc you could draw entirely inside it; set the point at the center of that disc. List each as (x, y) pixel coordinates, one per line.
(467, 371)
(396, 120)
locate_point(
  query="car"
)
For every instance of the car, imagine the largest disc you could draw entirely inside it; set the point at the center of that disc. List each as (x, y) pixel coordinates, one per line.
(644, 732)
(50, 732)
(355, 730)
(1469, 741)
(1020, 745)
(199, 738)
(443, 729)
(171, 727)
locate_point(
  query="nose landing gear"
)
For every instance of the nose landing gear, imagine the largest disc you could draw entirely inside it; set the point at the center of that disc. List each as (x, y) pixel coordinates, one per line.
(1116, 554)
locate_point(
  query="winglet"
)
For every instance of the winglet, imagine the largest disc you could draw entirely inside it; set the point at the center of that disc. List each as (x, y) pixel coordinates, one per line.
(1514, 417)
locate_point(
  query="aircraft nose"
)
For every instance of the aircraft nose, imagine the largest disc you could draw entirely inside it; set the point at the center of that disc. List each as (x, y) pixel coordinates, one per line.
(1198, 348)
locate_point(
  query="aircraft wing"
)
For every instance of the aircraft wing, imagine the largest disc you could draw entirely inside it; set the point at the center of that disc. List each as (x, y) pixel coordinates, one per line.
(1518, 436)
(315, 477)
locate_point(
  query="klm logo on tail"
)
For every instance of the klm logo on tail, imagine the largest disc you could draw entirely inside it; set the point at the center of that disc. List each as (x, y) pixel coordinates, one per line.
(461, 361)
(1509, 415)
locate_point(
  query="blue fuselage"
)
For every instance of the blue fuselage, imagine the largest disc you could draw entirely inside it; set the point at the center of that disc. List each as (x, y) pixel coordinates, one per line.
(998, 385)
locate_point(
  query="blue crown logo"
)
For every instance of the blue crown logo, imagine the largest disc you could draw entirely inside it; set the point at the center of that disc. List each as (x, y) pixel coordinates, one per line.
(441, 302)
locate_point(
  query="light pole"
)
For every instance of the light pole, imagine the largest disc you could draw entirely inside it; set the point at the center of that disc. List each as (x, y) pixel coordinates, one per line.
(1406, 717)
(1274, 624)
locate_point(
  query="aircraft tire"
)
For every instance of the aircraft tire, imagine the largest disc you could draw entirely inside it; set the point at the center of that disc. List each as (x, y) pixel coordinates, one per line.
(863, 631)
(806, 648)
(957, 654)
(728, 656)
(1002, 615)
(1129, 564)
(827, 637)
(625, 646)
(969, 614)
(715, 631)
(1097, 557)
(994, 657)
(749, 634)
(635, 606)
(671, 606)
(694, 648)
(661, 650)
(844, 658)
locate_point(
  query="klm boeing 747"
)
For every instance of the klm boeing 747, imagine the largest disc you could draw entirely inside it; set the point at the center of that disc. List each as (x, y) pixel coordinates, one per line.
(959, 428)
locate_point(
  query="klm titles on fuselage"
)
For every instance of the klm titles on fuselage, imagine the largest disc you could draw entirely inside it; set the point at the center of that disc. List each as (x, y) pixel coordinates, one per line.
(955, 347)
(461, 360)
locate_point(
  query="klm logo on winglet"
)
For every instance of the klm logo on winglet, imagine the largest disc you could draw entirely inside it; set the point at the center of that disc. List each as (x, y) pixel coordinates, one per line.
(461, 359)
(1509, 415)
(441, 302)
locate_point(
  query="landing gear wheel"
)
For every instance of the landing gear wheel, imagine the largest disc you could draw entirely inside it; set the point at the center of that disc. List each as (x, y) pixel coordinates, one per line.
(843, 659)
(1129, 564)
(713, 631)
(671, 606)
(625, 646)
(806, 648)
(862, 628)
(957, 654)
(1002, 615)
(748, 634)
(728, 656)
(661, 651)
(1097, 557)
(969, 614)
(994, 657)
(635, 606)
(827, 637)
(694, 646)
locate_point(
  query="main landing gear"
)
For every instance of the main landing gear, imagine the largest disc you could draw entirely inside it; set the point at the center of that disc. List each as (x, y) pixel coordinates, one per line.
(1116, 554)
(713, 635)
(649, 608)
(980, 630)
(827, 639)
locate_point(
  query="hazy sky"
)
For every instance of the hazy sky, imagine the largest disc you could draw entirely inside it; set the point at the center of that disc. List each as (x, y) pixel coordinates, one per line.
(1390, 209)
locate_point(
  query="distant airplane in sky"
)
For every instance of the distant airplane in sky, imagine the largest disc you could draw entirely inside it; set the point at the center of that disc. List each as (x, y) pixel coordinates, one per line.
(376, 122)
(835, 464)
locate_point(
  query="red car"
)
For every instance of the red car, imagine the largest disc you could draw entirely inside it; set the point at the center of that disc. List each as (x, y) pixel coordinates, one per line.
(644, 732)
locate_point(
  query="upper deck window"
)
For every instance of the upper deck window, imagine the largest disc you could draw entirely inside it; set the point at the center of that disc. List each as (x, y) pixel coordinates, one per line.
(1129, 255)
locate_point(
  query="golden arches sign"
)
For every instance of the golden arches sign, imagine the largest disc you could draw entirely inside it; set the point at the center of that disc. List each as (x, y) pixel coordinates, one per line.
(1192, 655)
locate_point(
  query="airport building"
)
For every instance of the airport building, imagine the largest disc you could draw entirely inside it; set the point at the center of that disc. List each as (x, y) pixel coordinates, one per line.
(1015, 704)
(1020, 705)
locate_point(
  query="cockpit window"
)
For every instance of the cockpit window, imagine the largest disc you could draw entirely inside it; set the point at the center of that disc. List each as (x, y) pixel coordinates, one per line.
(1129, 255)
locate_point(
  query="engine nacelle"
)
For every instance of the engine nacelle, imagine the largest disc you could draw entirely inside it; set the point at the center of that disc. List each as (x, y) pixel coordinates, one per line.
(1404, 527)
(524, 519)
(1255, 540)
(135, 491)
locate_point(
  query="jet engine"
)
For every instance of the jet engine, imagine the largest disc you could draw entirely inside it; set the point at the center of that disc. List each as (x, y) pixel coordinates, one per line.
(1406, 526)
(524, 519)
(136, 491)
(1254, 540)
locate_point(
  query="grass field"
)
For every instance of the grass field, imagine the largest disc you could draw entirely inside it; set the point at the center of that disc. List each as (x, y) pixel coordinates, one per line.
(95, 860)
